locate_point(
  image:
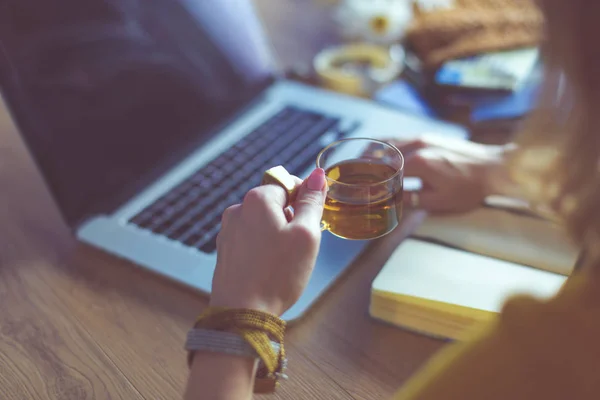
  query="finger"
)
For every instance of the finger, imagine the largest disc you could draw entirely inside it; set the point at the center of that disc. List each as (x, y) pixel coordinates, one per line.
(408, 146)
(298, 182)
(308, 207)
(289, 214)
(289, 211)
(231, 213)
(265, 204)
(421, 164)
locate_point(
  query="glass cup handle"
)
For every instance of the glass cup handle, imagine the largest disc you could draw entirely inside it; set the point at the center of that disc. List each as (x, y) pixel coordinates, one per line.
(280, 176)
(324, 226)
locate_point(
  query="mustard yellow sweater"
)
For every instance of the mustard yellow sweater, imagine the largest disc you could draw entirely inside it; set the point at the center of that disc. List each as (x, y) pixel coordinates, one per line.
(536, 350)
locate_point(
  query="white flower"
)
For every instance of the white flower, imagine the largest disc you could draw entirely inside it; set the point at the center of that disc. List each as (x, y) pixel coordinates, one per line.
(376, 21)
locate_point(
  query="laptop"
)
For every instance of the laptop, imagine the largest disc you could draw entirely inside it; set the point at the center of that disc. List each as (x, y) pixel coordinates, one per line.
(148, 118)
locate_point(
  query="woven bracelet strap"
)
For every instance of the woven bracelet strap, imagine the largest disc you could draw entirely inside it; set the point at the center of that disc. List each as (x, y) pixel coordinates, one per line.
(259, 330)
(222, 342)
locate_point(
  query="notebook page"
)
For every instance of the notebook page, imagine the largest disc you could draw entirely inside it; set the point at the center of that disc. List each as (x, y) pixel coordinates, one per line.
(434, 272)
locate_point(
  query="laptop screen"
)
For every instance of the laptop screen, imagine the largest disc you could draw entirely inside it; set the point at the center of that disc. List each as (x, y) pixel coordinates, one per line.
(108, 92)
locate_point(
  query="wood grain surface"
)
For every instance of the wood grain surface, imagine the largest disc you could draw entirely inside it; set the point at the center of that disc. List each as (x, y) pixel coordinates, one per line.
(76, 323)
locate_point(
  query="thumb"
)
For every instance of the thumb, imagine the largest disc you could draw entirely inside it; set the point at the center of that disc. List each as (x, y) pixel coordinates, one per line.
(308, 206)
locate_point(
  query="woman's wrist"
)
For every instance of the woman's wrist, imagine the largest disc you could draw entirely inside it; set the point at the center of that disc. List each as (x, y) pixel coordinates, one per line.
(496, 177)
(242, 330)
(246, 302)
(221, 376)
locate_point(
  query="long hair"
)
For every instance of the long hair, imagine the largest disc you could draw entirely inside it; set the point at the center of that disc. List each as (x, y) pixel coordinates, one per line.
(557, 163)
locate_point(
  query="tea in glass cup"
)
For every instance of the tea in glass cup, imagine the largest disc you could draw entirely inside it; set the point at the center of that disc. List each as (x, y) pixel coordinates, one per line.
(364, 178)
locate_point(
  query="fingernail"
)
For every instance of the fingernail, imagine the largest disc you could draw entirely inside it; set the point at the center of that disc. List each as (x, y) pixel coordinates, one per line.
(316, 180)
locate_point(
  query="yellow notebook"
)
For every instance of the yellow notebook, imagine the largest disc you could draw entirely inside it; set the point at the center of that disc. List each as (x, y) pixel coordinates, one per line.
(458, 271)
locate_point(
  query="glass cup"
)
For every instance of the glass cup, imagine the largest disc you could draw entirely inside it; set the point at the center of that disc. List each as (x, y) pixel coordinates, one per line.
(364, 177)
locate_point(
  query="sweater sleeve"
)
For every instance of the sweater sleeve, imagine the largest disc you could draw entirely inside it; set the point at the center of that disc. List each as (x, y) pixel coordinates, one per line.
(533, 350)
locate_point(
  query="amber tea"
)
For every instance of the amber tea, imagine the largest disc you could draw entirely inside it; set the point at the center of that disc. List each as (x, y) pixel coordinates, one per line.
(364, 200)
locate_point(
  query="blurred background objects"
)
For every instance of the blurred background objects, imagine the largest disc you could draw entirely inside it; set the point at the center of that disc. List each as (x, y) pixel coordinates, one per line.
(473, 62)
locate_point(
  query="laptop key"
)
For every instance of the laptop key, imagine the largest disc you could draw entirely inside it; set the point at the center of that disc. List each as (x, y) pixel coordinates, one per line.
(219, 162)
(191, 240)
(192, 213)
(210, 246)
(143, 218)
(208, 243)
(246, 186)
(229, 201)
(203, 239)
(178, 234)
(162, 226)
(229, 168)
(203, 181)
(178, 209)
(202, 223)
(194, 230)
(228, 185)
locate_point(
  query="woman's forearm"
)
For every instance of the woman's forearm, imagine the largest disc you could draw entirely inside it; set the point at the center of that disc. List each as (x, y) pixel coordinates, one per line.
(217, 376)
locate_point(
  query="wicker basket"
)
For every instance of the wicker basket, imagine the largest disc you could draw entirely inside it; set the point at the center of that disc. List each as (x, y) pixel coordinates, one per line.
(473, 27)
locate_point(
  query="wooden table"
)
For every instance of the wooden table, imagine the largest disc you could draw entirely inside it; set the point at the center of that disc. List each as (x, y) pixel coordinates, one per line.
(76, 323)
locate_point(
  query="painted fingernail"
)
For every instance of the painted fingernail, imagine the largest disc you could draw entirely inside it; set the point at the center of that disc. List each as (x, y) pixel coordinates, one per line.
(316, 180)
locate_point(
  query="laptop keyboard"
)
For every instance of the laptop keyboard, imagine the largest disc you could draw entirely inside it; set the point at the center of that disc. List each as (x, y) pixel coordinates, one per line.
(190, 213)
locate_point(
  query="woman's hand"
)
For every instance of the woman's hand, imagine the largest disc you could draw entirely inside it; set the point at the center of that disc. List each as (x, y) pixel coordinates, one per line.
(265, 254)
(457, 175)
